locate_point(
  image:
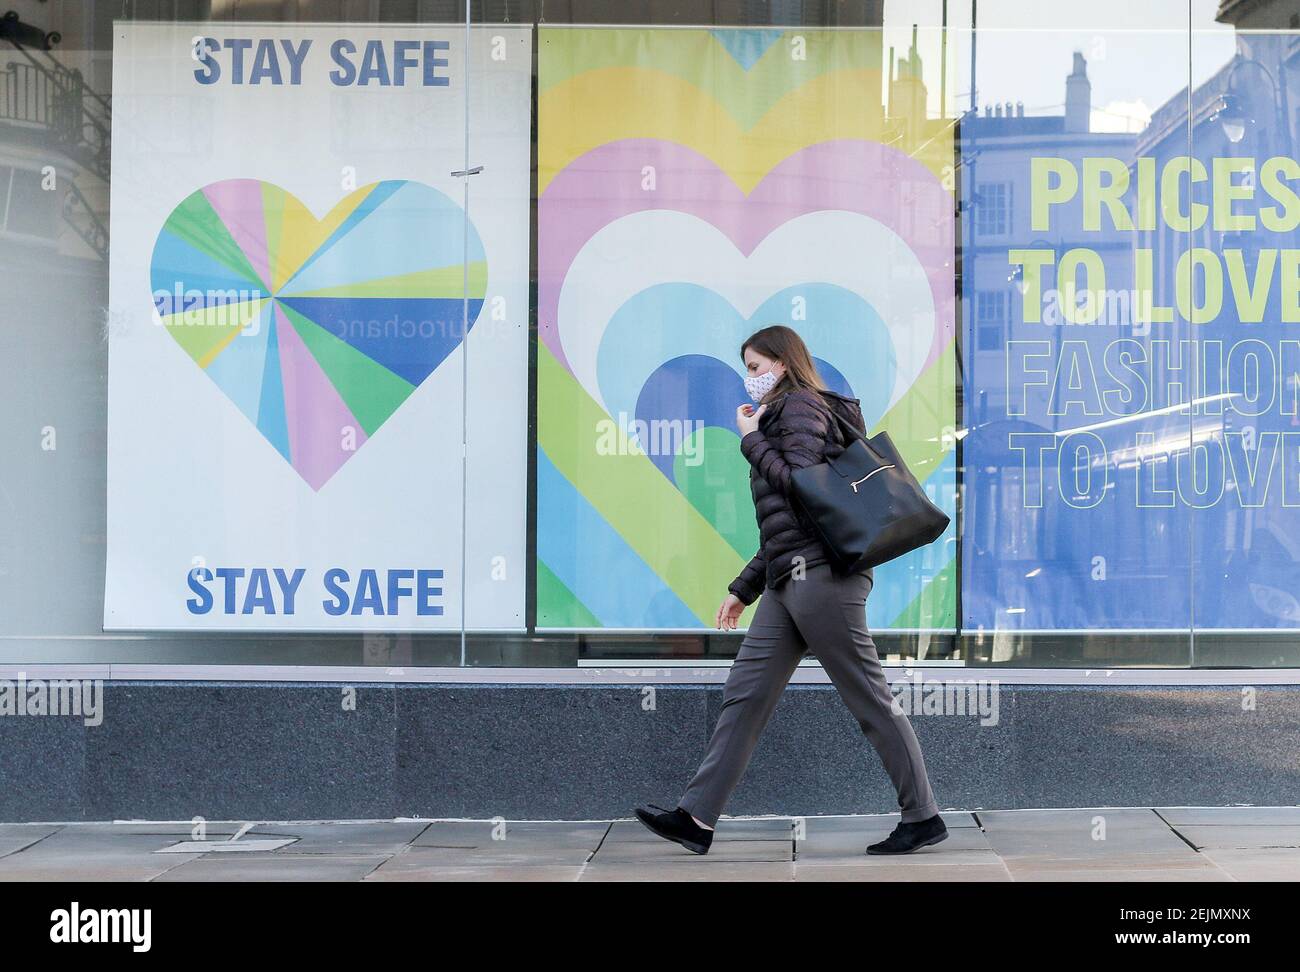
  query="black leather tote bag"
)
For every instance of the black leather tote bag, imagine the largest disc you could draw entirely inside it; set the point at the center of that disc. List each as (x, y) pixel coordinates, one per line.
(865, 504)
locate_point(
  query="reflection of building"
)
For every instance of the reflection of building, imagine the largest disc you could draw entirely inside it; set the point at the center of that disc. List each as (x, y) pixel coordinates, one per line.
(908, 125)
(54, 139)
(1259, 14)
(1257, 84)
(1004, 519)
(996, 148)
(1243, 110)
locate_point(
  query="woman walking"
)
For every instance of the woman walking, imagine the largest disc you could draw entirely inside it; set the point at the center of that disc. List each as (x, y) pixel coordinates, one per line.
(806, 605)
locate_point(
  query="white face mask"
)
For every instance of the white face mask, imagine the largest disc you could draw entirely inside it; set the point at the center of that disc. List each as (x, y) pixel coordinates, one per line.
(760, 385)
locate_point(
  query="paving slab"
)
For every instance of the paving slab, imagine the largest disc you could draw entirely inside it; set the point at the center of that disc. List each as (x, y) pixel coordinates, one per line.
(1273, 864)
(849, 843)
(519, 843)
(1071, 834)
(704, 870)
(1121, 869)
(396, 869)
(848, 837)
(1238, 816)
(16, 837)
(1246, 837)
(899, 871)
(504, 853)
(350, 839)
(177, 830)
(245, 845)
(78, 854)
(513, 837)
(273, 867)
(722, 849)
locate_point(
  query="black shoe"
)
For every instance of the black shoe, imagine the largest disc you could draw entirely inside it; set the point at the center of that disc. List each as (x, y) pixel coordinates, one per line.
(907, 837)
(676, 825)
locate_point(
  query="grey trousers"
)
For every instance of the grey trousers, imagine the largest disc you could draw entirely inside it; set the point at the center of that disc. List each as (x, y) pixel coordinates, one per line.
(826, 613)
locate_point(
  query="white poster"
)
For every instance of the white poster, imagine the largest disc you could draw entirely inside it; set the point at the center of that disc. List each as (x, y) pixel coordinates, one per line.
(290, 383)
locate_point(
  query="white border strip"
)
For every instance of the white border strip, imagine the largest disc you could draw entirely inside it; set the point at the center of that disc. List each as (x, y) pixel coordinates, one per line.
(633, 673)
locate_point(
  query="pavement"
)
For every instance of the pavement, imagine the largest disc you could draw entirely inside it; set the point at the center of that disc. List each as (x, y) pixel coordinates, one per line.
(1108, 844)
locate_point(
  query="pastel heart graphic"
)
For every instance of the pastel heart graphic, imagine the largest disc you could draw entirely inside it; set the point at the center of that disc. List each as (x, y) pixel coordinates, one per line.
(317, 329)
(693, 187)
(692, 90)
(832, 178)
(817, 225)
(861, 317)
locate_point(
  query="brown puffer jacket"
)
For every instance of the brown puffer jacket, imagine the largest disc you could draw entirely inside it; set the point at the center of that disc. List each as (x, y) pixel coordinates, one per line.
(794, 431)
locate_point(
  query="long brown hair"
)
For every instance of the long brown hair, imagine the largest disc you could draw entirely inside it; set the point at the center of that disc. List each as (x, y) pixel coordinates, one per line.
(781, 343)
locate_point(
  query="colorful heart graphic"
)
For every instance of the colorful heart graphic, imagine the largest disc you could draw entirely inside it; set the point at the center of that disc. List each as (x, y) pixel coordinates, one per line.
(874, 295)
(317, 330)
(693, 187)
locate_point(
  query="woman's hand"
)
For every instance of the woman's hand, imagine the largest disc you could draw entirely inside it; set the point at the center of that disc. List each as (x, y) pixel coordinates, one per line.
(747, 418)
(729, 613)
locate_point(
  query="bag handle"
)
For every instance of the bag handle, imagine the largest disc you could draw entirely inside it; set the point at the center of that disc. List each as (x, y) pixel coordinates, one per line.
(853, 431)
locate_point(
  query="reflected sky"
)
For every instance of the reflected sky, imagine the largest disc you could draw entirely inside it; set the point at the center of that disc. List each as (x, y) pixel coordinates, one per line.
(1024, 50)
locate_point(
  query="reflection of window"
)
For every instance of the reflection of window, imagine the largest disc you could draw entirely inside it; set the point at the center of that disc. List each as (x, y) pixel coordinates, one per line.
(994, 209)
(990, 315)
(25, 207)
